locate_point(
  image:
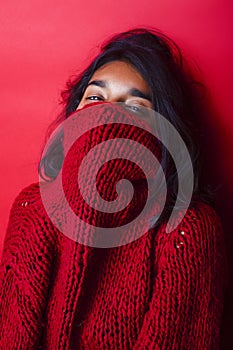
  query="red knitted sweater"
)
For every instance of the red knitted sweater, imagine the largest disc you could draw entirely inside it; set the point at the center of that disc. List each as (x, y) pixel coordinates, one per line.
(162, 291)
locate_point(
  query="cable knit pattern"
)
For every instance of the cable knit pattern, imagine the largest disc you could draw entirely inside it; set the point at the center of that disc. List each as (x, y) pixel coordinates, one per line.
(162, 291)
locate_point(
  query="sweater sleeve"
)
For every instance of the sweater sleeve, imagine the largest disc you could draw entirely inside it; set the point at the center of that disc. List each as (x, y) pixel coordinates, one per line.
(186, 307)
(25, 273)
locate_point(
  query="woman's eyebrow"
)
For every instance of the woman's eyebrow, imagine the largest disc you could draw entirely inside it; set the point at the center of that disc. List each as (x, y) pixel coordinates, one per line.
(138, 93)
(99, 83)
(133, 92)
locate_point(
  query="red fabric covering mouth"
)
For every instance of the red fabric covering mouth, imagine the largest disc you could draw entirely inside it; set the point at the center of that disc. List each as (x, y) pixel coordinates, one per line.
(110, 145)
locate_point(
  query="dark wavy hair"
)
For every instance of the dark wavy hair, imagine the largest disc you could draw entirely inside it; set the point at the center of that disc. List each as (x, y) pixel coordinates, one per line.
(174, 95)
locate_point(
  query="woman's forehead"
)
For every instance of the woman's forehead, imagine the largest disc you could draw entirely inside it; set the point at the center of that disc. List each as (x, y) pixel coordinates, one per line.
(120, 73)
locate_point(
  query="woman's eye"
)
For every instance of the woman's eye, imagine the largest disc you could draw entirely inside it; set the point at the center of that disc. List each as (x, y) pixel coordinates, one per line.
(135, 109)
(94, 98)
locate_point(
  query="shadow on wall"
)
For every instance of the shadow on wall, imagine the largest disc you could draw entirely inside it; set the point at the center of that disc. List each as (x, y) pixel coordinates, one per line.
(224, 203)
(214, 174)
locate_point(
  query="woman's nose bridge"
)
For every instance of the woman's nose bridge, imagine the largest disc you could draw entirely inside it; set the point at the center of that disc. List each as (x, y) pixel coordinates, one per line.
(117, 99)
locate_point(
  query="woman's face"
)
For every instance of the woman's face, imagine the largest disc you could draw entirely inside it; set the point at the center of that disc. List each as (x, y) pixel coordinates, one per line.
(117, 81)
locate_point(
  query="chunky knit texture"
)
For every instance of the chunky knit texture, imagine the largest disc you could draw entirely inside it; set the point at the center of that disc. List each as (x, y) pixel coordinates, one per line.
(162, 291)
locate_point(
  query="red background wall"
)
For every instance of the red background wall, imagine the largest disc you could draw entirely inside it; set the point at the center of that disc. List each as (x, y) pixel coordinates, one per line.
(42, 43)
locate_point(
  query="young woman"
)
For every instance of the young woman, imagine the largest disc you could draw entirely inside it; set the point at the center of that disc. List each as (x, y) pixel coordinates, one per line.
(160, 291)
